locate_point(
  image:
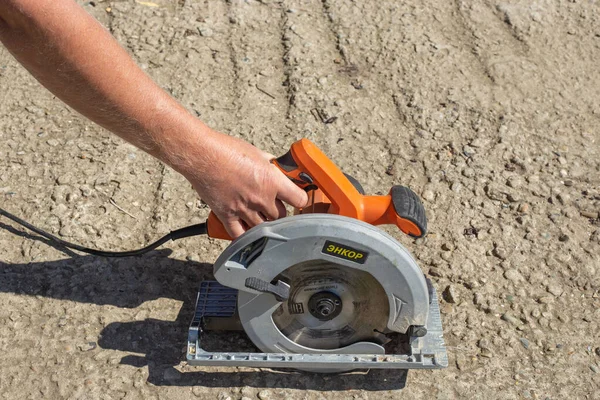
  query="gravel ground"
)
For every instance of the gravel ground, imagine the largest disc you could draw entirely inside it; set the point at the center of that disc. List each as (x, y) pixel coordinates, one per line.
(489, 109)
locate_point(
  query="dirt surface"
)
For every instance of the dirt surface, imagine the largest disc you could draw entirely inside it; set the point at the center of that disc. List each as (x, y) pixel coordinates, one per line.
(490, 110)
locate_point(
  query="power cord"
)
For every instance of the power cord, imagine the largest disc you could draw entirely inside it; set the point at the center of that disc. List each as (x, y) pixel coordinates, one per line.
(192, 230)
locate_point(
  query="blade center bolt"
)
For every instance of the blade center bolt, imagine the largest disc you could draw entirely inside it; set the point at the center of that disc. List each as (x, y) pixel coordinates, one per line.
(325, 305)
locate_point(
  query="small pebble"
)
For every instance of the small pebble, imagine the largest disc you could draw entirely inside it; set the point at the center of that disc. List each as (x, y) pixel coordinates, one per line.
(595, 368)
(554, 289)
(450, 295)
(224, 396)
(500, 253)
(468, 172)
(468, 151)
(524, 208)
(513, 275)
(487, 353)
(428, 195)
(563, 198)
(89, 346)
(264, 394)
(524, 342)
(589, 214)
(510, 319)
(205, 31)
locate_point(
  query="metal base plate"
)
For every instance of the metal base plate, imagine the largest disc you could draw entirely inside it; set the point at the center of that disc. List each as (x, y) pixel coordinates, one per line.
(218, 301)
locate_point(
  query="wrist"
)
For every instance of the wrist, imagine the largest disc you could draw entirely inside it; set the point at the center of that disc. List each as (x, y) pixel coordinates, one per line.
(181, 141)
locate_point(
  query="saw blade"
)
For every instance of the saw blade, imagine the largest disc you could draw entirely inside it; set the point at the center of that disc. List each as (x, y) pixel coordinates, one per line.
(332, 306)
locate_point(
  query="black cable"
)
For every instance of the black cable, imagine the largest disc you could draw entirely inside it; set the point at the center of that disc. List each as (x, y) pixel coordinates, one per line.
(192, 230)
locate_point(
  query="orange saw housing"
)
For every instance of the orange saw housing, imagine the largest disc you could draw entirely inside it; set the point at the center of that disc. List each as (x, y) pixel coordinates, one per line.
(331, 192)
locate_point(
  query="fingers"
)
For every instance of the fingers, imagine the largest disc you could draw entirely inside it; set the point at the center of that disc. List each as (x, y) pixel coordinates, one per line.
(275, 211)
(252, 218)
(290, 193)
(282, 212)
(234, 228)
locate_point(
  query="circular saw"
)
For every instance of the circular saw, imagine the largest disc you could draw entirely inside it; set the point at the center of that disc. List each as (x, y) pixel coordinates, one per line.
(324, 290)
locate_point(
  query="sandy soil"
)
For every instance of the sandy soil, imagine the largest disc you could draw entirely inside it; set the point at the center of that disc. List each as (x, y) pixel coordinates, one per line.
(489, 109)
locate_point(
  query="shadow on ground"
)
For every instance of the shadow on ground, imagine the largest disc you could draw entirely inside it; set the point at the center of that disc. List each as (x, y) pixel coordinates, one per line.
(128, 283)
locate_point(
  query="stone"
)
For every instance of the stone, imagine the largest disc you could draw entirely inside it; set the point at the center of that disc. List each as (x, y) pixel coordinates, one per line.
(451, 295)
(554, 289)
(514, 182)
(511, 319)
(487, 353)
(524, 342)
(428, 195)
(545, 300)
(479, 142)
(589, 214)
(447, 246)
(500, 252)
(513, 275)
(524, 208)
(205, 31)
(468, 151)
(264, 394)
(468, 172)
(224, 396)
(89, 346)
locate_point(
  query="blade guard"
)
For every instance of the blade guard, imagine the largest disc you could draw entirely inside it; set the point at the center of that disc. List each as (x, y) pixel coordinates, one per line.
(310, 169)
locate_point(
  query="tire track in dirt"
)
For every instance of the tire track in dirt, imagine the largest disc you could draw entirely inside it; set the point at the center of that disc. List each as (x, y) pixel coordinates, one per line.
(401, 165)
(325, 80)
(257, 51)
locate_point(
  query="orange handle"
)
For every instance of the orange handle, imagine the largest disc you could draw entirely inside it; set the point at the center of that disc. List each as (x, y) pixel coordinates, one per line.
(215, 228)
(307, 166)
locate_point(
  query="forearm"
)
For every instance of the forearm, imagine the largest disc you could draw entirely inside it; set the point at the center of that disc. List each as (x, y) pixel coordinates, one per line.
(72, 55)
(79, 61)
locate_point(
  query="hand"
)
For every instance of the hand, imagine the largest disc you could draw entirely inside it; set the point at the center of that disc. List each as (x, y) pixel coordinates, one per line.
(241, 186)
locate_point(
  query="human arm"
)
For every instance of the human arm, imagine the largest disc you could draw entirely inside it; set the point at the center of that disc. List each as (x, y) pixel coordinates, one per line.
(73, 56)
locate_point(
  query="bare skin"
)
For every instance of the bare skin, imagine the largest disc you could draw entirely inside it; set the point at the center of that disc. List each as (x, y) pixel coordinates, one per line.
(73, 56)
